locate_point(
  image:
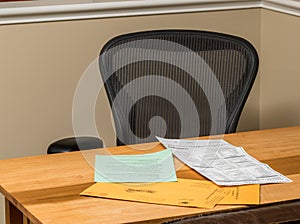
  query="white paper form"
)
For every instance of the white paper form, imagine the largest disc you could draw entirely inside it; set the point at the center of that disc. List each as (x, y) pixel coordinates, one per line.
(222, 162)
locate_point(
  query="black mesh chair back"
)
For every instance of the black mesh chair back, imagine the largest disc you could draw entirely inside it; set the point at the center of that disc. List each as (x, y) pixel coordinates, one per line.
(176, 83)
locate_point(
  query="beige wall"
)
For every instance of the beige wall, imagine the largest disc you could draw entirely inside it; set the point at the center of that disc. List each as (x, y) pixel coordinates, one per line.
(280, 76)
(41, 64)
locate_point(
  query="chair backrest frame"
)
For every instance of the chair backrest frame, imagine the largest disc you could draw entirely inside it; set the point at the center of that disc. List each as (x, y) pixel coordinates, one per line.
(209, 45)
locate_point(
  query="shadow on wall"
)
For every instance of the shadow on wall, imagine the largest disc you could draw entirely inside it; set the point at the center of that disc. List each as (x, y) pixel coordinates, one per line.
(282, 114)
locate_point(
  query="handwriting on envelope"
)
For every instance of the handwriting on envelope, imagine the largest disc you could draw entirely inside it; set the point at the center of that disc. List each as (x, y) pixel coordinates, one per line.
(184, 192)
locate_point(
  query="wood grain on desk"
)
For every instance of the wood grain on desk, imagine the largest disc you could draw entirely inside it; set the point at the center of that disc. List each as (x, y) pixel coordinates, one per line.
(46, 188)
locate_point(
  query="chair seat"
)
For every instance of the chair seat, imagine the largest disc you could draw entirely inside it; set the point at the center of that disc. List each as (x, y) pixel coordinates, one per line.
(74, 144)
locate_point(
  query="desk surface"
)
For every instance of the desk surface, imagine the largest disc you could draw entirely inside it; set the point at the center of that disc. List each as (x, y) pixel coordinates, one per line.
(46, 188)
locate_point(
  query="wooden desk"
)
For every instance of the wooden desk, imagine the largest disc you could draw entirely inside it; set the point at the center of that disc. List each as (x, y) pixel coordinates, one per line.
(45, 189)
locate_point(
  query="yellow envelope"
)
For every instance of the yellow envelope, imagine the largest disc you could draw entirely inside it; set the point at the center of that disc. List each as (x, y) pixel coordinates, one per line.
(184, 192)
(241, 195)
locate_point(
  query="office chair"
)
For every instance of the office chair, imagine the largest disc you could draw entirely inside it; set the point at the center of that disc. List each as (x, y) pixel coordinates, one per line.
(176, 83)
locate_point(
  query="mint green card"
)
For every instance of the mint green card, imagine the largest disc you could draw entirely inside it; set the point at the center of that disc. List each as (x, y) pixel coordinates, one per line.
(153, 167)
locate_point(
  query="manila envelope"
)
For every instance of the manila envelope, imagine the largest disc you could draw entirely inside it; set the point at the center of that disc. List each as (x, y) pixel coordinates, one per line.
(184, 192)
(242, 195)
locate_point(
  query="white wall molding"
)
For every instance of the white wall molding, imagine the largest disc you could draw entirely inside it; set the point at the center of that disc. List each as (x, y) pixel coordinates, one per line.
(291, 7)
(51, 10)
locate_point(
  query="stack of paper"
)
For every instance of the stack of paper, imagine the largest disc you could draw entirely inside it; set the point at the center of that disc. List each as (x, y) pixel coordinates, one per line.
(222, 162)
(151, 178)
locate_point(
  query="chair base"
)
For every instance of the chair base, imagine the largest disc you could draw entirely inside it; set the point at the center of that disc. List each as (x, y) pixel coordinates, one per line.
(74, 144)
